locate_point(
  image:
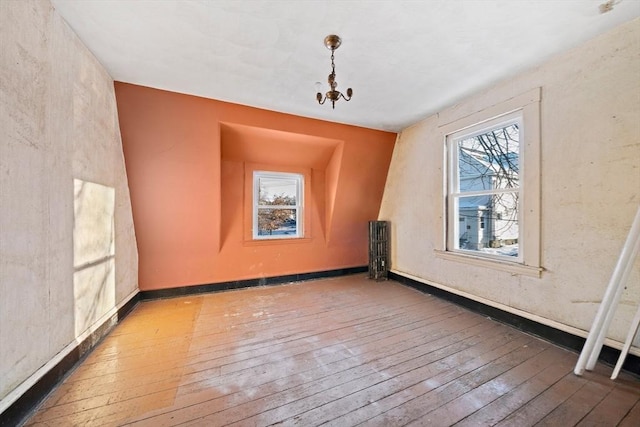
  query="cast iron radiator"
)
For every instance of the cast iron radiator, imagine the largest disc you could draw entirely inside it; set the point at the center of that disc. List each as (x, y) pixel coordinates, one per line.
(378, 249)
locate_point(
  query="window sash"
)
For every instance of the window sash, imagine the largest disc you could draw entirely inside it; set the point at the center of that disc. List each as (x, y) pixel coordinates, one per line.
(454, 194)
(259, 206)
(486, 192)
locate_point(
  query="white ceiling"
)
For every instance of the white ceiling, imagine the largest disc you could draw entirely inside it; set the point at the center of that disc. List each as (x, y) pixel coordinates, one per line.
(405, 60)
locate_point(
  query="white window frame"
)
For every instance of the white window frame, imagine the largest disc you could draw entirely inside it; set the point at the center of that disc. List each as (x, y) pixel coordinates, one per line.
(298, 207)
(461, 118)
(454, 194)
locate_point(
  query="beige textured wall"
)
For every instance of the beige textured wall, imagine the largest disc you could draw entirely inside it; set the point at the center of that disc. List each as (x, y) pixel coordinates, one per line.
(590, 189)
(58, 122)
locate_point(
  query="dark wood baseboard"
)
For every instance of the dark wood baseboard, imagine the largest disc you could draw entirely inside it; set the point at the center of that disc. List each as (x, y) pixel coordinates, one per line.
(608, 355)
(249, 283)
(19, 410)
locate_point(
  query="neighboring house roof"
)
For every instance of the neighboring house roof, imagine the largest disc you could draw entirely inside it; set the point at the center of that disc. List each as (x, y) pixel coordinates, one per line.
(474, 161)
(474, 202)
(477, 170)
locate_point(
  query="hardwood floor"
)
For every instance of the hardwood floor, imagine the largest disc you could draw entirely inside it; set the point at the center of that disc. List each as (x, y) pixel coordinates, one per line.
(337, 352)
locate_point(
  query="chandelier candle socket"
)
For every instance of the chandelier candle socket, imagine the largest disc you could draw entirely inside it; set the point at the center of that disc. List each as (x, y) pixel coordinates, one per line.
(333, 42)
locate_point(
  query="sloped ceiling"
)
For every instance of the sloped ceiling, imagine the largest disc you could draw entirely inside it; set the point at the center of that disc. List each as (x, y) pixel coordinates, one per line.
(405, 60)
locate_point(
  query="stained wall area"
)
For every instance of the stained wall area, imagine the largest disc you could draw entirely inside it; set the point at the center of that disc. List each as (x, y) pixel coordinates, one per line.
(190, 161)
(589, 189)
(68, 257)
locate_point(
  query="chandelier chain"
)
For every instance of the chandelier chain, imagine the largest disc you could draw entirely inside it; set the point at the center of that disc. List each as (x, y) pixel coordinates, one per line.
(333, 66)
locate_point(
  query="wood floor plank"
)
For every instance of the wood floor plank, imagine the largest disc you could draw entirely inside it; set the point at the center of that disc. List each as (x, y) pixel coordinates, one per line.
(576, 407)
(339, 352)
(459, 408)
(432, 394)
(632, 418)
(374, 353)
(613, 408)
(383, 398)
(164, 366)
(538, 408)
(503, 406)
(119, 408)
(299, 400)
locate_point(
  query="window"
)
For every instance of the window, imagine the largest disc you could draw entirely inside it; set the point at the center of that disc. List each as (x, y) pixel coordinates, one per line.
(277, 205)
(492, 180)
(484, 188)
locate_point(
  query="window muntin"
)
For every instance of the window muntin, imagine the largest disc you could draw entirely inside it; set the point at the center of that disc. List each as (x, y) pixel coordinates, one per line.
(484, 189)
(277, 205)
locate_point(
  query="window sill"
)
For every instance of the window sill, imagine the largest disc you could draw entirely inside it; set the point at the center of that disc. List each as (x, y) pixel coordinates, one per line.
(509, 267)
(269, 242)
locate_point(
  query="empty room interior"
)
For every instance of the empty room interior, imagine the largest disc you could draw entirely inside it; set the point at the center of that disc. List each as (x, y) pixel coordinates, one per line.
(319, 212)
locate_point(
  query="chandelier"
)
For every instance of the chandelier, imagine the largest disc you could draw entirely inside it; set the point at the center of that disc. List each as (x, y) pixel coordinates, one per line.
(333, 42)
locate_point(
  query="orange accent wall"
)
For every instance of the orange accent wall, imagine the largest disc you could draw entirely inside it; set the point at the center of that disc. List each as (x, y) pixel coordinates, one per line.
(187, 160)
